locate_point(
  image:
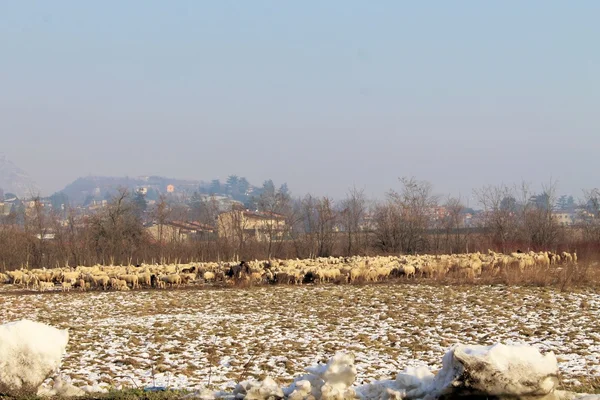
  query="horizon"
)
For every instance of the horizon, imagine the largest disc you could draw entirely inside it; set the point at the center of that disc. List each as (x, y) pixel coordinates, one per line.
(320, 96)
(468, 202)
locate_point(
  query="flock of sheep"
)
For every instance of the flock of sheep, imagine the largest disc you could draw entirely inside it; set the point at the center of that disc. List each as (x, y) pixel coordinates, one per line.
(291, 272)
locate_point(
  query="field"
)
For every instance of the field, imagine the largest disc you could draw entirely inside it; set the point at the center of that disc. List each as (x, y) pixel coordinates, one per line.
(215, 337)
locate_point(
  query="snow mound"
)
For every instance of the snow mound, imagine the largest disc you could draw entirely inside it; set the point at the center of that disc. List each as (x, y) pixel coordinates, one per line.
(413, 383)
(254, 390)
(61, 388)
(499, 371)
(29, 353)
(329, 381)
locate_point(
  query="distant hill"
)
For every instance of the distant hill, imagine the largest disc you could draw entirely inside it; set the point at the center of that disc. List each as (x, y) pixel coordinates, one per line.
(15, 180)
(84, 190)
(88, 188)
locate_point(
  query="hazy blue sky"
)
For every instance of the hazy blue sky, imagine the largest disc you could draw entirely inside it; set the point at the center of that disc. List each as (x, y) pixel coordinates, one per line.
(320, 94)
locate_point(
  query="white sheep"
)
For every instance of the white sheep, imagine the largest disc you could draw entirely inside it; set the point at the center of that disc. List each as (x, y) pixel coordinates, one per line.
(172, 279)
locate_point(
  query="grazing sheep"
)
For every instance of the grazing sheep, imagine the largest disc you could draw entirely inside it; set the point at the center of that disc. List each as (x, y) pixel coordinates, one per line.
(188, 270)
(256, 277)
(16, 277)
(81, 285)
(173, 279)
(409, 271)
(131, 279)
(118, 284)
(71, 277)
(567, 257)
(44, 286)
(209, 276)
(66, 286)
(187, 277)
(145, 279)
(101, 280)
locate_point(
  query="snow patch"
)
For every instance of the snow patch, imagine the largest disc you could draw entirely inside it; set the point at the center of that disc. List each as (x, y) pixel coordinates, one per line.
(498, 370)
(29, 353)
(329, 381)
(254, 390)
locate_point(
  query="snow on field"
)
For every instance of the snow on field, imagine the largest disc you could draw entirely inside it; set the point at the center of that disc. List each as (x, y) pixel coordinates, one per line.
(194, 338)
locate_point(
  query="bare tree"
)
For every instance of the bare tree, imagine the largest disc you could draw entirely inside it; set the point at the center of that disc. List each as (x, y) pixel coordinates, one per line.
(116, 231)
(539, 228)
(387, 219)
(455, 232)
(352, 215)
(161, 215)
(276, 204)
(37, 224)
(589, 215)
(500, 213)
(415, 203)
(318, 218)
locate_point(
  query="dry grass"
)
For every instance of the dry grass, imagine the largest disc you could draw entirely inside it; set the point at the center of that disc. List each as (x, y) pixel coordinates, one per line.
(211, 337)
(566, 277)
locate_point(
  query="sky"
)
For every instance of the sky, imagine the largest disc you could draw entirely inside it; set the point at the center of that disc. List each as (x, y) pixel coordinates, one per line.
(321, 95)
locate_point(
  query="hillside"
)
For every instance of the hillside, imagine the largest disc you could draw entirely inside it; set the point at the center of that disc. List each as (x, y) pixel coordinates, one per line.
(102, 187)
(15, 180)
(85, 189)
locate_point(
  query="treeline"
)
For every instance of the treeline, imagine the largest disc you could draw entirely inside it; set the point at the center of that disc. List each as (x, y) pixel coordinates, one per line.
(411, 220)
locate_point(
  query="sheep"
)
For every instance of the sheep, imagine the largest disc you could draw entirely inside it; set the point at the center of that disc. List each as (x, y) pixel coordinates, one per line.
(130, 279)
(188, 270)
(319, 270)
(187, 277)
(256, 277)
(209, 276)
(118, 284)
(145, 279)
(66, 286)
(409, 271)
(355, 274)
(30, 280)
(71, 277)
(101, 280)
(81, 284)
(172, 279)
(44, 286)
(16, 277)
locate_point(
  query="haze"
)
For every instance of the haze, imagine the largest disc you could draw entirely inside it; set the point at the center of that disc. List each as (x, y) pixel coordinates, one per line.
(321, 95)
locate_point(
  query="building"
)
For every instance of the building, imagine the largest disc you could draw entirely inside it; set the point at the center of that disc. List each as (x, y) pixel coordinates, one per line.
(258, 225)
(180, 231)
(564, 218)
(97, 205)
(5, 208)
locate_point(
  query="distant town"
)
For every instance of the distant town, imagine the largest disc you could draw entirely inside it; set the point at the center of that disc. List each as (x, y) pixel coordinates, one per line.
(118, 217)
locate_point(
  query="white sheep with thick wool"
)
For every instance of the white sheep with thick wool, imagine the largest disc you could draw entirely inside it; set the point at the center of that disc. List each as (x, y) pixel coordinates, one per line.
(30, 352)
